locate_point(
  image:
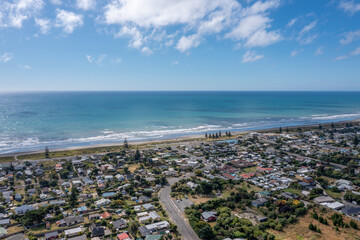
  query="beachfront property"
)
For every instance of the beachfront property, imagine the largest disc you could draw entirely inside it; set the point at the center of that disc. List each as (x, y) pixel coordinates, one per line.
(118, 191)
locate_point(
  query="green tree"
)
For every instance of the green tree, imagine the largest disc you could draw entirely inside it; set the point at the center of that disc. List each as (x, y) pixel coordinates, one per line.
(204, 230)
(356, 141)
(126, 144)
(73, 197)
(47, 154)
(137, 155)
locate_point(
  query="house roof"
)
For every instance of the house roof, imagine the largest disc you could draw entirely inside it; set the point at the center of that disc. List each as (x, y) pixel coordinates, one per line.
(123, 236)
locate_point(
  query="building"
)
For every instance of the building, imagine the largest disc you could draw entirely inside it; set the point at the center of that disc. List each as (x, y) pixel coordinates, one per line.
(120, 224)
(259, 202)
(152, 228)
(73, 232)
(124, 236)
(23, 209)
(96, 230)
(51, 235)
(209, 216)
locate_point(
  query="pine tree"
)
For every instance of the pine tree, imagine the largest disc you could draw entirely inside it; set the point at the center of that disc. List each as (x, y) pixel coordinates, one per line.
(47, 155)
(280, 130)
(137, 155)
(206, 135)
(216, 136)
(287, 130)
(332, 125)
(320, 127)
(126, 144)
(356, 140)
(219, 133)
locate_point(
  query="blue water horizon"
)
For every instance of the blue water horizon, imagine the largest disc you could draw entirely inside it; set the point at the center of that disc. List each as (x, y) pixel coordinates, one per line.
(30, 121)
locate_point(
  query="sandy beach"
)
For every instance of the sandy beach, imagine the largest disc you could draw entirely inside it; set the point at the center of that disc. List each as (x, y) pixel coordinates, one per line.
(164, 141)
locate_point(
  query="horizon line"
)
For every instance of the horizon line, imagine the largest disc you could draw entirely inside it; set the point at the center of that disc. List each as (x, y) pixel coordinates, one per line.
(64, 91)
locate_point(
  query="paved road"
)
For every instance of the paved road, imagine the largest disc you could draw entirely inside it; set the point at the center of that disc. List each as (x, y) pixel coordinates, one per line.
(174, 212)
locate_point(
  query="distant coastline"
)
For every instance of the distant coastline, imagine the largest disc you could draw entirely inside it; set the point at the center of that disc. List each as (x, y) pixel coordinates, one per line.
(66, 120)
(102, 148)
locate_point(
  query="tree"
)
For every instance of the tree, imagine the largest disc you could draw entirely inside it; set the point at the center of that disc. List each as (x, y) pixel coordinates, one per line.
(320, 127)
(206, 135)
(356, 140)
(204, 230)
(137, 155)
(47, 155)
(353, 224)
(126, 144)
(332, 125)
(219, 133)
(73, 197)
(280, 130)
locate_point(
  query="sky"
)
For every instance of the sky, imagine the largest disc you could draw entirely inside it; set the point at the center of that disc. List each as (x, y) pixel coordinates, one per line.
(70, 45)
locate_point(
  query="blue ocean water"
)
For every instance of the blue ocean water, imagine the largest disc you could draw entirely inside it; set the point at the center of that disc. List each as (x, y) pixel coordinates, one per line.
(31, 121)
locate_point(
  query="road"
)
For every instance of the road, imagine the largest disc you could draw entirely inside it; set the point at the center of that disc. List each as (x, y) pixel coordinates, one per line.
(174, 212)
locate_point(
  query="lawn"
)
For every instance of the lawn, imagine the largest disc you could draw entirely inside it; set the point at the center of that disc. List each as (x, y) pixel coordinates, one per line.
(300, 230)
(294, 191)
(333, 194)
(249, 170)
(133, 167)
(7, 159)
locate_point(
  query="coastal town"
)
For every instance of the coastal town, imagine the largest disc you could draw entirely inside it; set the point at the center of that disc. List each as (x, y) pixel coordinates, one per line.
(286, 183)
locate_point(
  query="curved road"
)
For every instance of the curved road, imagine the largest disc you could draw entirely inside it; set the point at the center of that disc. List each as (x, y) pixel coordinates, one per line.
(174, 212)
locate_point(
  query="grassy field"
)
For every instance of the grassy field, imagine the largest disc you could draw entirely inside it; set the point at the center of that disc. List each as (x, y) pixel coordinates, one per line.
(301, 230)
(7, 159)
(334, 194)
(294, 191)
(249, 170)
(133, 167)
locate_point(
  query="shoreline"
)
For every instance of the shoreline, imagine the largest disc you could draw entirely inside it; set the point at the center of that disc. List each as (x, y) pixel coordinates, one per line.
(185, 138)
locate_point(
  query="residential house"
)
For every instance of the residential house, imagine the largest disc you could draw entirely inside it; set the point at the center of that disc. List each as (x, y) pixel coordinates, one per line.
(209, 216)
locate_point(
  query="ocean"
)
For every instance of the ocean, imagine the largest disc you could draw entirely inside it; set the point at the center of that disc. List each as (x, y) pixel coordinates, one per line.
(32, 121)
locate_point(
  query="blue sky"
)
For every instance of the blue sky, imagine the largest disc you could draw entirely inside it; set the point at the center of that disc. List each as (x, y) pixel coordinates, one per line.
(179, 45)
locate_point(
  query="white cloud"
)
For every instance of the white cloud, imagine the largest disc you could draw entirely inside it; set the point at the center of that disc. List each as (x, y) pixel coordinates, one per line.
(304, 36)
(146, 51)
(175, 63)
(252, 30)
(26, 67)
(187, 42)
(355, 52)
(68, 21)
(90, 58)
(14, 13)
(292, 22)
(338, 58)
(349, 37)
(98, 60)
(349, 6)
(295, 52)
(44, 24)
(6, 57)
(159, 13)
(86, 4)
(307, 28)
(251, 56)
(137, 38)
(56, 2)
(139, 19)
(101, 58)
(319, 51)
